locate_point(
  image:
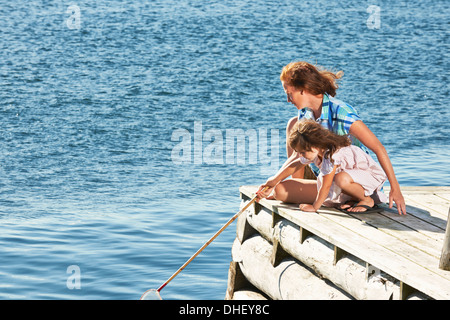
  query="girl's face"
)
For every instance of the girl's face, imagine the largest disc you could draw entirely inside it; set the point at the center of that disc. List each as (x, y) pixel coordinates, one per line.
(310, 155)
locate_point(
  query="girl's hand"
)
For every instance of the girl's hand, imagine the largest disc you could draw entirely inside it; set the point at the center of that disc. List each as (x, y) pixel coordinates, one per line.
(270, 184)
(307, 207)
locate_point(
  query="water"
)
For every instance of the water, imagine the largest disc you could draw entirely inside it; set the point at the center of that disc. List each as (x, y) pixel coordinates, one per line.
(89, 186)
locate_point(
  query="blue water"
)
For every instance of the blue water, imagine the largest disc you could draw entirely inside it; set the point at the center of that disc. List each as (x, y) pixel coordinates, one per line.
(90, 114)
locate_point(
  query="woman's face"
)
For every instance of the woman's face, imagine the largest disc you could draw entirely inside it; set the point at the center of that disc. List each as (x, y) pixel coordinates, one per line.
(295, 96)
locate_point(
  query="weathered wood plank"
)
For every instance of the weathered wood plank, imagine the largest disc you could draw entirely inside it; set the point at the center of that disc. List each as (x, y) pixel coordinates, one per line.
(443, 195)
(421, 189)
(439, 194)
(410, 230)
(444, 262)
(428, 216)
(435, 205)
(429, 227)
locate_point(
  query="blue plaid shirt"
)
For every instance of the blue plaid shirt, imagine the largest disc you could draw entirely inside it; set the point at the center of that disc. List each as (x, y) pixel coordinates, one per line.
(337, 116)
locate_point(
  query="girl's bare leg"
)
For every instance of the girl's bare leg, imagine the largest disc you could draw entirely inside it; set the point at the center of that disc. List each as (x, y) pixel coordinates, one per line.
(296, 191)
(353, 189)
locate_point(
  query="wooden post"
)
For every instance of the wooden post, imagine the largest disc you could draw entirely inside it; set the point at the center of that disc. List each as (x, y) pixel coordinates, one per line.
(236, 280)
(338, 254)
(304, 234)
(243, 229)
(278, 254)
(275, 218)
(444, 263)
(405, 291)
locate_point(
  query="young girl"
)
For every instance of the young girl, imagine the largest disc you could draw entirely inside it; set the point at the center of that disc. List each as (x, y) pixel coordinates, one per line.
(349, 178)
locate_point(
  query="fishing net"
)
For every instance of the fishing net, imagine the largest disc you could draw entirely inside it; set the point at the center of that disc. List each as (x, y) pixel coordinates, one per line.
(151, 294)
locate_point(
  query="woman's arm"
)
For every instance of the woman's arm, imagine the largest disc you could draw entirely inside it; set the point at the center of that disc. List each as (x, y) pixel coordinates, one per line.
(322, 194)
(360, 131)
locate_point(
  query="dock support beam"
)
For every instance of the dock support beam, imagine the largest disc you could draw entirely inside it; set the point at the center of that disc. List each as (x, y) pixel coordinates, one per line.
(278, 254)
(304, 234)
(338, 254)
(405, 290)
(444, 263)
(236, 280)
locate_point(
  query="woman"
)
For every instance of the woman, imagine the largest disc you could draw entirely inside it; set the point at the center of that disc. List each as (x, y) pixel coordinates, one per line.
(312, 92)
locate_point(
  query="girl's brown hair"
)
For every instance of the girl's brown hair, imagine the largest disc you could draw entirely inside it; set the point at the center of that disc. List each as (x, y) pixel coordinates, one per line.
(303, 75)
(307, 134)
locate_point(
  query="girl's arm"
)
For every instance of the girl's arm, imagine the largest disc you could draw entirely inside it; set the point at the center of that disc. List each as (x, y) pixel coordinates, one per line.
(322, 194)
(288, 169)
(360, 131)
(293, 157)
(284, 172)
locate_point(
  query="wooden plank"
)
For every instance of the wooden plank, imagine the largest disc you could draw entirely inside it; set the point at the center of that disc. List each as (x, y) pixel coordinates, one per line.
(424, 214)
(408, 229)
(444, 262)
(443, 195)
(399, 266)
(421, 189)
(435, 205)
(423, 227)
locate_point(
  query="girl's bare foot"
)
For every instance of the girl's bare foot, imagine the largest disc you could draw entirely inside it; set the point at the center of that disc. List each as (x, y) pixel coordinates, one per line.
(367, 201)
(347, 204)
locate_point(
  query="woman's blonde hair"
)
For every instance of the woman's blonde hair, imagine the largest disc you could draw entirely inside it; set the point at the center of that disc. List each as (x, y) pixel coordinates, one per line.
(307, 134)
(303, 75)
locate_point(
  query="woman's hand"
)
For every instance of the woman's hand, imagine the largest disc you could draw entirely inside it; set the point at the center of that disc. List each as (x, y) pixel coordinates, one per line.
(395, 195)
(307, 207)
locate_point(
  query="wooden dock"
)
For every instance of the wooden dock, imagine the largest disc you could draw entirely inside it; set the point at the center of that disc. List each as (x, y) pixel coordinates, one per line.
(281, 252)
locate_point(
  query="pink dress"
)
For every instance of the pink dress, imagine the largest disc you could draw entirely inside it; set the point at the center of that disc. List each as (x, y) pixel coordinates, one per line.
(360, 166)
